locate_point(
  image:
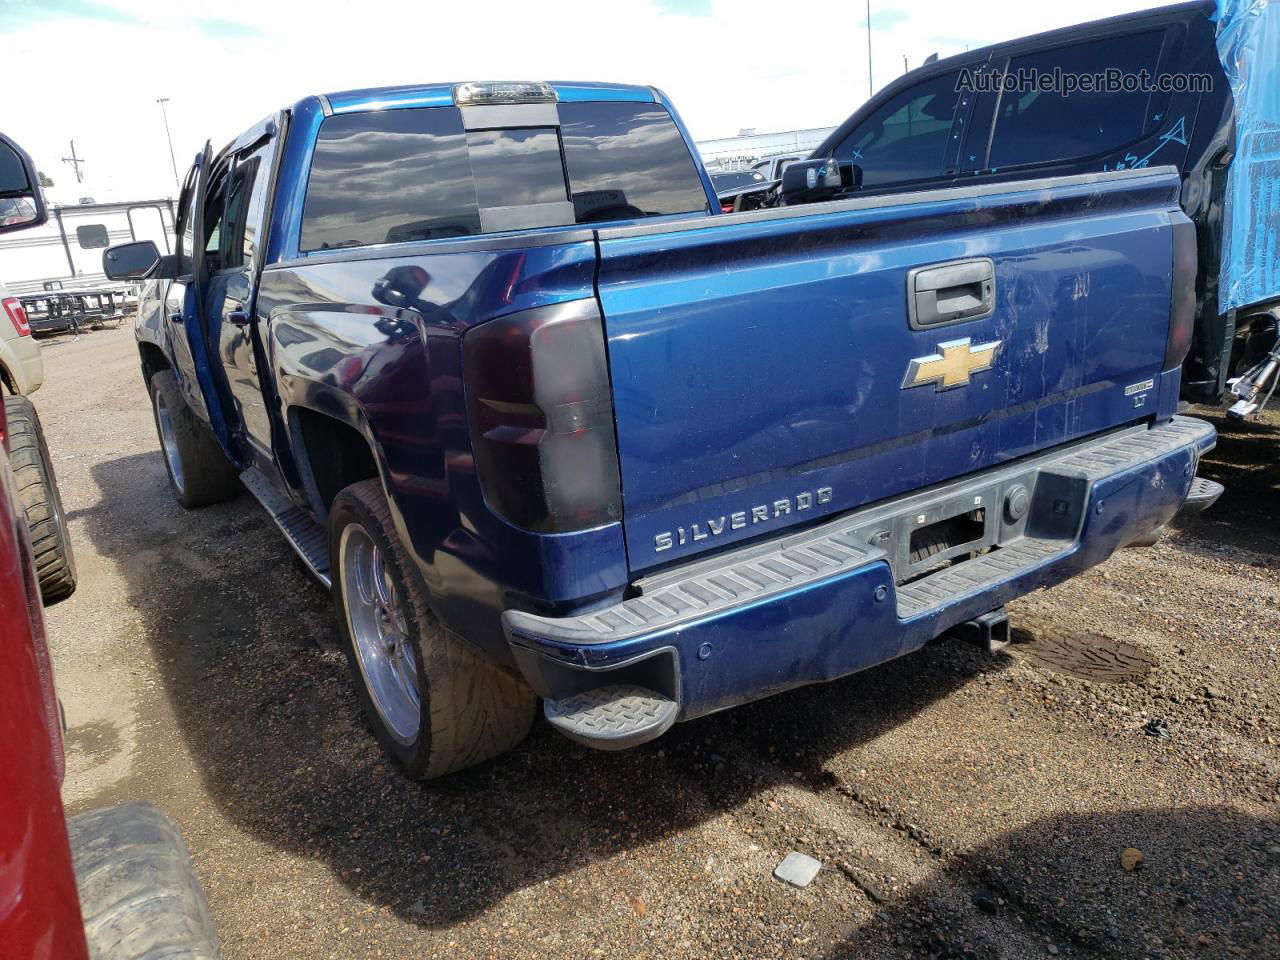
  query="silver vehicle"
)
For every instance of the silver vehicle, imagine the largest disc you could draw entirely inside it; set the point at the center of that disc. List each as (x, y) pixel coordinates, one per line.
(772, 167)
(21, 368)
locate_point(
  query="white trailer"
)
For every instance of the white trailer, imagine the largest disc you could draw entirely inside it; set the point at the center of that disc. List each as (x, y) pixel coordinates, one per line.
(66, 253)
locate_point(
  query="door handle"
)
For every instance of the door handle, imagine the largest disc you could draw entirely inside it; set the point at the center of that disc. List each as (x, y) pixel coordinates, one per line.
(950, 292)
(175, 318)
(238, 317)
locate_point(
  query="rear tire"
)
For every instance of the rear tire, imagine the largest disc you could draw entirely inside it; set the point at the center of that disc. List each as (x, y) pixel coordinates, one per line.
(139, 897)
(38, 490)
(199, 472)
(435, 704)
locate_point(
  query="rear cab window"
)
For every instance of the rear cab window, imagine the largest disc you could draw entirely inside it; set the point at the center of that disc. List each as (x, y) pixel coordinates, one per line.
(400, 175)
(627, 160)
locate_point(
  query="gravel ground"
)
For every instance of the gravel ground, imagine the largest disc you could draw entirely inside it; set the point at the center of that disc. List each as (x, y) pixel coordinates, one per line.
(961, 805)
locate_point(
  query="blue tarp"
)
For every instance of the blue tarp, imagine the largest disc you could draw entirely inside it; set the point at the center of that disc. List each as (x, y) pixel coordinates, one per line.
(1249, 47)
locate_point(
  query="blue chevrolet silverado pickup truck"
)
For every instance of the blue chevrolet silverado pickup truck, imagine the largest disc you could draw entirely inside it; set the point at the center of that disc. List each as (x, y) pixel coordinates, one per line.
(551, 425)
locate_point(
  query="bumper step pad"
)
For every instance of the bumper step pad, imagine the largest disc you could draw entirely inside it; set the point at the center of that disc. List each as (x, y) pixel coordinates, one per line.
(918, 598)
(612, 718)
(1204, 494)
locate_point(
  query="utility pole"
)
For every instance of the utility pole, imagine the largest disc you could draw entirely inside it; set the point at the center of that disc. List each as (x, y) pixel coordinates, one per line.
(905, 68)
(75, 162)
(174, 163)
(870, 85)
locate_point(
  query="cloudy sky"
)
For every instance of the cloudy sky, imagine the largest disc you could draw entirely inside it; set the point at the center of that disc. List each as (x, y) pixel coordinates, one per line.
(91, 70)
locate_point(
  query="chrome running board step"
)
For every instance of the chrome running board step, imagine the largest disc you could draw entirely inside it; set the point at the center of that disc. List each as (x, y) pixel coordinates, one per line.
(308, 538)
(612, 718)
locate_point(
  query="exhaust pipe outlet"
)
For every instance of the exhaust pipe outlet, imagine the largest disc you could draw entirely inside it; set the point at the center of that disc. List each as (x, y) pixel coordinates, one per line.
(989, 631)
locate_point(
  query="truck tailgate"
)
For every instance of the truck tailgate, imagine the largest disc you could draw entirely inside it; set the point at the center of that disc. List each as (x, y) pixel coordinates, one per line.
(767, 369)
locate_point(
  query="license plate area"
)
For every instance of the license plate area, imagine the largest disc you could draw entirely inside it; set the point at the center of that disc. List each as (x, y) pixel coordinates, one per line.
(932, 536)
(964, 533)
(934, 531)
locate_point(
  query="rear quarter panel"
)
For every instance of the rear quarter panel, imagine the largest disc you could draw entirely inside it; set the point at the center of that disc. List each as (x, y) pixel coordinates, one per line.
(336, 346)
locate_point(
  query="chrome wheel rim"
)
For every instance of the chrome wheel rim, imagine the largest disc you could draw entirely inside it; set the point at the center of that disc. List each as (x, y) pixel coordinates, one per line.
(169, 443)
(380, 633)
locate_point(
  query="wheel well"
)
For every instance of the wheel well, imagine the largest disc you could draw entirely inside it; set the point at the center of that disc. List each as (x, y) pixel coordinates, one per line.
(337, 454)
(153, 360)
(6, 379)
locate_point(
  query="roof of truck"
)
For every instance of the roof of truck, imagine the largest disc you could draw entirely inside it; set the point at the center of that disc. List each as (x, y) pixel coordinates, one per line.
(441, 95)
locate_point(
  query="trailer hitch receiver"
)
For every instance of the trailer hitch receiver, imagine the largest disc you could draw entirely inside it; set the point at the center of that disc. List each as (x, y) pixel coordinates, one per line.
(989, 631)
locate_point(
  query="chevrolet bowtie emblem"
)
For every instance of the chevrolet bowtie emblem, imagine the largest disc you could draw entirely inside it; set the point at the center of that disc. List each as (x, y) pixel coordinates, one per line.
(952, 364)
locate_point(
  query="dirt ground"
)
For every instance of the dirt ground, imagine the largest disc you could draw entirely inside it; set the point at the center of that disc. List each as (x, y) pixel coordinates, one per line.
(961, 805)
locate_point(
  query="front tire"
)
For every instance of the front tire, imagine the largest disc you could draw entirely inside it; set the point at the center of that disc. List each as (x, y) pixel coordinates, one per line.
(199, 472)
(41, 501)
(435, 704)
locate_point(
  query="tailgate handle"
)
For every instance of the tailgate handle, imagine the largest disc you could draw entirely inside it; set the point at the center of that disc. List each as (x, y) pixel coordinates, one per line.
(951, 292)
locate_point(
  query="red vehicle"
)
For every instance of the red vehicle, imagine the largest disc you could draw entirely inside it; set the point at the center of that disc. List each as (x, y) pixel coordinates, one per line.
(113, 884)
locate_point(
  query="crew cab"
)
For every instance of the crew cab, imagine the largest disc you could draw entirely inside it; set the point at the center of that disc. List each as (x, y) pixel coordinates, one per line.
(551, 425)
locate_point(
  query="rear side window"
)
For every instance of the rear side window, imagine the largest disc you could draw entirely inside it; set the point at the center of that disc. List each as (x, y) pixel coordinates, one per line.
(627, 160)
(906, 138)
(387, 177)
(1045, 126)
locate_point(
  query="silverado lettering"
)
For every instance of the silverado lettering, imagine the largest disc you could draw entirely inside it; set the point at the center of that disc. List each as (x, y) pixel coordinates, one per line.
(741, 518)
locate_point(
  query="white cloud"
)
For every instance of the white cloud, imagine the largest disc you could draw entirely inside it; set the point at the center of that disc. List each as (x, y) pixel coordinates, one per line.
(95, 78)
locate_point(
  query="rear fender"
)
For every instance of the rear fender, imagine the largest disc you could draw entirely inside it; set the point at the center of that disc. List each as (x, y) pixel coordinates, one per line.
(375, 342)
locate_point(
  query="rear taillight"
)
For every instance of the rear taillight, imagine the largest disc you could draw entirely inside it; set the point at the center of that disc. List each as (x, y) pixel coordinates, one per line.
(1182, 308)
(542, 417)
(17, 316)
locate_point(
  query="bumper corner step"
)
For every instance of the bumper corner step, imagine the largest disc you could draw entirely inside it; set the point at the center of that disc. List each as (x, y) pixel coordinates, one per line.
(612, 718)
(1204, 494)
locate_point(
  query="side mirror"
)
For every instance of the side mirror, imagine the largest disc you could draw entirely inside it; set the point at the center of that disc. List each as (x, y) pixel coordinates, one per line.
(21, 200)
(130, 261)
(810, 181)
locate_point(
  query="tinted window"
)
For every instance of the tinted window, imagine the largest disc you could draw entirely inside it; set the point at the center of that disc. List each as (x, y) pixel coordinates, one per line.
(388, 177)
(92, 235)
(215, 209)
(738, 178)
(254, 168)
(231, 245)
(516, 167)
(906, 138)
(1043, 126)
(627, 160)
